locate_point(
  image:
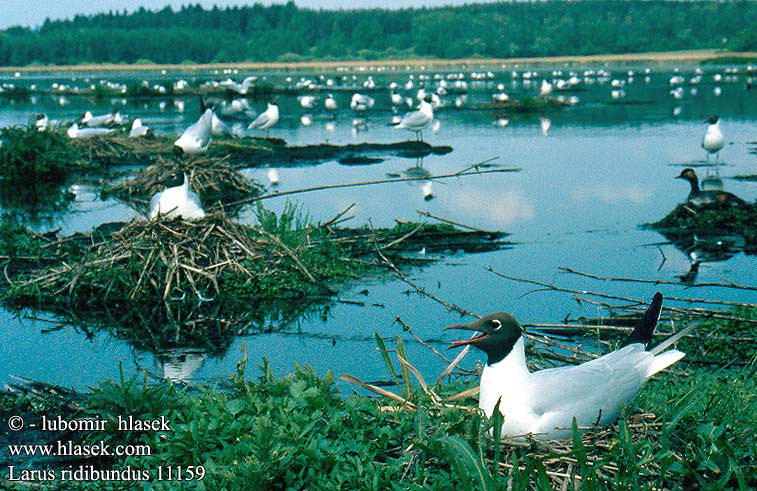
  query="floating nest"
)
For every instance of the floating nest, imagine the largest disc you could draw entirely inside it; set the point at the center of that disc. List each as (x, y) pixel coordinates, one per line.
(190, 282)
(687, 226)
(217, 182)
(122, 150)
(247, 151)
(527, 105)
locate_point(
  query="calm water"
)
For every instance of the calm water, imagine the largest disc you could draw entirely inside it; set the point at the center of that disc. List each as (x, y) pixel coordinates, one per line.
(591, 174)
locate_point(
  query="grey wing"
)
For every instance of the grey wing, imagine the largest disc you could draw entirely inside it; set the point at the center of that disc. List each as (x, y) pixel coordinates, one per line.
(193, 198)
(607, 382)
(259, 121)
(197, 132)
(414, 119)
(204, 137)
(205, 128)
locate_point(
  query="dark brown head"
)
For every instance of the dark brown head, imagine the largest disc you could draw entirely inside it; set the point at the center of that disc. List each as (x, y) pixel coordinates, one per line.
(691, 176)
(712, 119)
(499, 332)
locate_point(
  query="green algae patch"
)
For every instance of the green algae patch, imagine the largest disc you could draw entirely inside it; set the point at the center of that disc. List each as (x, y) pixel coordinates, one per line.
(250, 151)
(30, 158)
(281, 154)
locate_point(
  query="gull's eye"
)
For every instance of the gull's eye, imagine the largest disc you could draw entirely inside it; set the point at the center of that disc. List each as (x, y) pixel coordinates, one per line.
(496, 324)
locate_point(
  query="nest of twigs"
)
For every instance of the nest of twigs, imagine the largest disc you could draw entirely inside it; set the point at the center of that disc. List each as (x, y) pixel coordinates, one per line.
(188, 277)
(686, 221)
(568, 464)
(162, 261)
(216, 181)
(122, 150)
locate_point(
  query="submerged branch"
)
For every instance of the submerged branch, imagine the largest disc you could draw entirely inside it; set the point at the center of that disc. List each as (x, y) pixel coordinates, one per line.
(726, 284)
(371, 183)
(696, 311)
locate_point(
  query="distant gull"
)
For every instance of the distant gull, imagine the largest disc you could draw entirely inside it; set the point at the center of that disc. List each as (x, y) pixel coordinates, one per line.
(713, 140)
(330, 103)
(196, 138)
(75, 132)
(137, 130)
(267, 119)
(418, 120)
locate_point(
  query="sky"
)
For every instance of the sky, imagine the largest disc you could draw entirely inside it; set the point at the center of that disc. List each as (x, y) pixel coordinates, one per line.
(33, 12)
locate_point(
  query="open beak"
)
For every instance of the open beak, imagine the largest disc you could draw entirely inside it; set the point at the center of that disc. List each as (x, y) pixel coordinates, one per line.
(463, 342)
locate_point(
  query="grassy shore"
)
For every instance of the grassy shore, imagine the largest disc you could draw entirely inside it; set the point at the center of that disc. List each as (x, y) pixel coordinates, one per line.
(684, 431)
(658, 58)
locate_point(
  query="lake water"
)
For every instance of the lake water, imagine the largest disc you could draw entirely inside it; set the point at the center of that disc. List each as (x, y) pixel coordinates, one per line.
(592, 173)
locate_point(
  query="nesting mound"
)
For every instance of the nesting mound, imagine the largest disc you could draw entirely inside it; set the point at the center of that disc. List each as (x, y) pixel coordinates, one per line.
(526, 105)
(30, 158)
(686, 225)
(217, 182)
(121, 150)
(204, 279)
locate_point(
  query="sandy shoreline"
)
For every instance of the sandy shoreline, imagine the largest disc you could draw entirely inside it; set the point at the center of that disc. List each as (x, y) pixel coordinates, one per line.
(656, 58)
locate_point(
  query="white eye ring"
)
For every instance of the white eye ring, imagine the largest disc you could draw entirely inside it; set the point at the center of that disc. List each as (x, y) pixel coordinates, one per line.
(497, 324)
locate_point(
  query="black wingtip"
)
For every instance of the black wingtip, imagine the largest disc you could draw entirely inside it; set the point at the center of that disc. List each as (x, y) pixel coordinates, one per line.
(644, 328)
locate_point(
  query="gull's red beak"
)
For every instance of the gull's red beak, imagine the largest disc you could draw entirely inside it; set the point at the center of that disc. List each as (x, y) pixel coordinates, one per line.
(463, 342)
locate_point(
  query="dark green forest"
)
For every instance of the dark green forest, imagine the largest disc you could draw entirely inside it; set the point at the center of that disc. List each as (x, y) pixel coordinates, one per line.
(289, 33)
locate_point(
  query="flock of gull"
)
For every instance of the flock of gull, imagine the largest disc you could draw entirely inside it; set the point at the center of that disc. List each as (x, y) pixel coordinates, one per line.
(543, 402)
(226, 108)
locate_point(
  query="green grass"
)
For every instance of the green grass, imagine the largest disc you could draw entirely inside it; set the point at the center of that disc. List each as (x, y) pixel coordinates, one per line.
(299, 432)
(29, 157)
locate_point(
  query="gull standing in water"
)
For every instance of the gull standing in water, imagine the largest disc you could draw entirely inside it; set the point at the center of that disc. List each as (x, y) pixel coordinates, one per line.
(330, 103)
(713, 138)
(545, 89)
(196, 138)
(267, 119)
(418, 120)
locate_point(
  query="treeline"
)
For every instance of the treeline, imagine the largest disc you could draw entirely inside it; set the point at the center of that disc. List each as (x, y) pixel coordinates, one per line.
(288, 33)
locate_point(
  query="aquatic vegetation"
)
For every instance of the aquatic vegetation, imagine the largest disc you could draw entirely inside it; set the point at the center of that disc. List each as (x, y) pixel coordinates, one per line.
(526, 105)
(29, 157)
(121, 150)
(685, 222)
(202, 280)
(299, 432)
(724, 343)
(15, 93)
